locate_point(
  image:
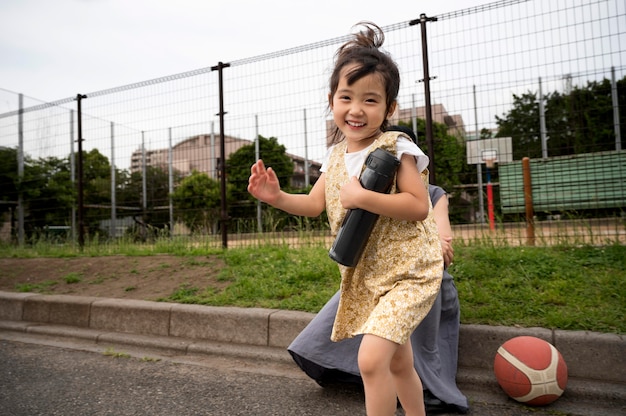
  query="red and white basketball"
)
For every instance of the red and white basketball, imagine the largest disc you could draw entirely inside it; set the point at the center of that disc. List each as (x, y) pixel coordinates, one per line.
(530, 370)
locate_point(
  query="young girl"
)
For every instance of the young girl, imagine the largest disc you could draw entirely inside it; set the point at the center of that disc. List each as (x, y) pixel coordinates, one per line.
(392, 288)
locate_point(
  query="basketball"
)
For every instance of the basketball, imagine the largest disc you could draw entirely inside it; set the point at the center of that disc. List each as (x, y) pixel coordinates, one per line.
(530, 370)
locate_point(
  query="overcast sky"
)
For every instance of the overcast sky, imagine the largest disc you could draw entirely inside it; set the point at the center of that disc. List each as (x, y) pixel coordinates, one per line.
(53, 49)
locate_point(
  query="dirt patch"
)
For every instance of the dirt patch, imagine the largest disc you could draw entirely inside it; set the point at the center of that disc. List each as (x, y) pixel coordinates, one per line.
(145, 278)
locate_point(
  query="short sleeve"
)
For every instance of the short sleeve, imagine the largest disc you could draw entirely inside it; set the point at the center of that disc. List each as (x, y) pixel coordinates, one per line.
(404, 145)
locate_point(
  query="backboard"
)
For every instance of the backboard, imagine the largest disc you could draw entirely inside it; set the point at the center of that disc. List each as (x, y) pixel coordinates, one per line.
(494, 150)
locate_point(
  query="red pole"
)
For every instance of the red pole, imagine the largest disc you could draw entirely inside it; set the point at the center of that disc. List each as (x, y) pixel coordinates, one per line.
(492, 225)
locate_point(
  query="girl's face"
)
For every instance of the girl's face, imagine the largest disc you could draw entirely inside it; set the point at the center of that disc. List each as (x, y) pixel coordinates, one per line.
(359, 109)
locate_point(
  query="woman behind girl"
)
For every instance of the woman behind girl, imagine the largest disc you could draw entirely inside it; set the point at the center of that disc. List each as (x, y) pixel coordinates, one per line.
(435, 341)
(392, 288)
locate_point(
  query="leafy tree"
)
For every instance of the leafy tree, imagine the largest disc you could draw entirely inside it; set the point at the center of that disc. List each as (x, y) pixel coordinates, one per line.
(238, 172)
(129, 194)
(521, 123)
(485, 134)
(48, 193)
(96, 178)
(197, 200)
(578, 122)
(449, 153)
(8, 177)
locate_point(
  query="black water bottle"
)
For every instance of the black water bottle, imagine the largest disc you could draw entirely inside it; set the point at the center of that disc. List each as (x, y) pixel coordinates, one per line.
(357, 225)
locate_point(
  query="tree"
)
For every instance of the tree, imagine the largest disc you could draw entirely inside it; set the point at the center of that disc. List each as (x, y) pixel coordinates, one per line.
(449, 154)
(48, 193)
(8, 178)
(197, 202)
(578, 122)
(238, 172)
(521, 123)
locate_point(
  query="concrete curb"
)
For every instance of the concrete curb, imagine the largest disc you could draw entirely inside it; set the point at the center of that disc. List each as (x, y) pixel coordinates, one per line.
(595, 360)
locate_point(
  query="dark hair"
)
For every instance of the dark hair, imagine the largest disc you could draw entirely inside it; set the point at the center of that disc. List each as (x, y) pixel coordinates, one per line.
(403, 129)
(364, 51)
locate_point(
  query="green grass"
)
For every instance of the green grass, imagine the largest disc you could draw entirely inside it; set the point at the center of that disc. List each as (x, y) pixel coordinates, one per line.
(569, 288)
(270, 277)
(565, 287)
(72, 278)
(39, 287)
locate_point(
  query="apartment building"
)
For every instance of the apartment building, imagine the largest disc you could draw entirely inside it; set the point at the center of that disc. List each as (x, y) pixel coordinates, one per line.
(202, 153)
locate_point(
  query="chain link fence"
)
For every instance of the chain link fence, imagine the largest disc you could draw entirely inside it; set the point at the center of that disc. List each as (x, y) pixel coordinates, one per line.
(510, 84)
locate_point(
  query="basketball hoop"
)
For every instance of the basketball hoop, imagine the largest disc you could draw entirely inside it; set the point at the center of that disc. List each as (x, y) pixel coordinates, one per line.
(490, 157)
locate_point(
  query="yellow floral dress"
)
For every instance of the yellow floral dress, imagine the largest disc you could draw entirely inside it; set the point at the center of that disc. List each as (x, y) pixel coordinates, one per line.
(397, 279)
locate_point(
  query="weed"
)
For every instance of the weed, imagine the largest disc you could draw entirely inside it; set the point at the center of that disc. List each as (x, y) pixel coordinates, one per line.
(110, 352)
(72, 278)
(39, 287)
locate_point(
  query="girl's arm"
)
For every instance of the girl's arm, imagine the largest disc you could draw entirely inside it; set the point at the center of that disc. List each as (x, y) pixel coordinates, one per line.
(410, 203)
(263, 184)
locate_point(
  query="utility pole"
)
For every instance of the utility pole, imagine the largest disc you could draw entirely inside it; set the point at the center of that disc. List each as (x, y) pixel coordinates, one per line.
(428, 107)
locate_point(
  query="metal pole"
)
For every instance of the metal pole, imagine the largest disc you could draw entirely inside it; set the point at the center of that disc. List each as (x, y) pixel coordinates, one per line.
(257, 156)
(73, 172)
(429, 118)
(614, 96)
(213, 164)
(479, 165)
(170, 175)
(20, 170)
(542, 124)
(414, 117)
(81, 207)
(224, 212)
(306, 154)
(113, 228)
(144, 187)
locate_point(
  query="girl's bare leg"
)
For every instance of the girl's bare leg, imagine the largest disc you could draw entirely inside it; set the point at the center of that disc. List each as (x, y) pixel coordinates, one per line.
(375, 356)
(407, 382)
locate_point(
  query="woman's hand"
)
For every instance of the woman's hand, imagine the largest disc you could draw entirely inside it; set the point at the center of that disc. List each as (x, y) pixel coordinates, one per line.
(448, 251)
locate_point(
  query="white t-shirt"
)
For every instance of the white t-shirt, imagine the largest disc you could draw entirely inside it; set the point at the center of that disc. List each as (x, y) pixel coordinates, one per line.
(354, 161)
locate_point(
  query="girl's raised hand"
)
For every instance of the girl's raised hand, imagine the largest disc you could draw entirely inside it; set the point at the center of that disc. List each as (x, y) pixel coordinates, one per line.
(263, 183)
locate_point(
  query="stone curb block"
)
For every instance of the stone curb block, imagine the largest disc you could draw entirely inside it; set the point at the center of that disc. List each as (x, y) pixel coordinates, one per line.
(284, 326)
(58, 309)
(12, 305)
(131, 316)
(593, 355)
(228, 324)
(482, 342)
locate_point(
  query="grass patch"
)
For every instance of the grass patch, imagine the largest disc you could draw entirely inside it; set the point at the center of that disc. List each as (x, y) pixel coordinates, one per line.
(73, 277)
(571, 288)
(39, 287)
(270, 277)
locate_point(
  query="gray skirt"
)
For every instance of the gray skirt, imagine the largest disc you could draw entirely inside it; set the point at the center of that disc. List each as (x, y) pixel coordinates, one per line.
(434, 341)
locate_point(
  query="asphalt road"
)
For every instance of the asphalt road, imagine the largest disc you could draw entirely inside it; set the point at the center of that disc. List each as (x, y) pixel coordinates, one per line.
(48, 379)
